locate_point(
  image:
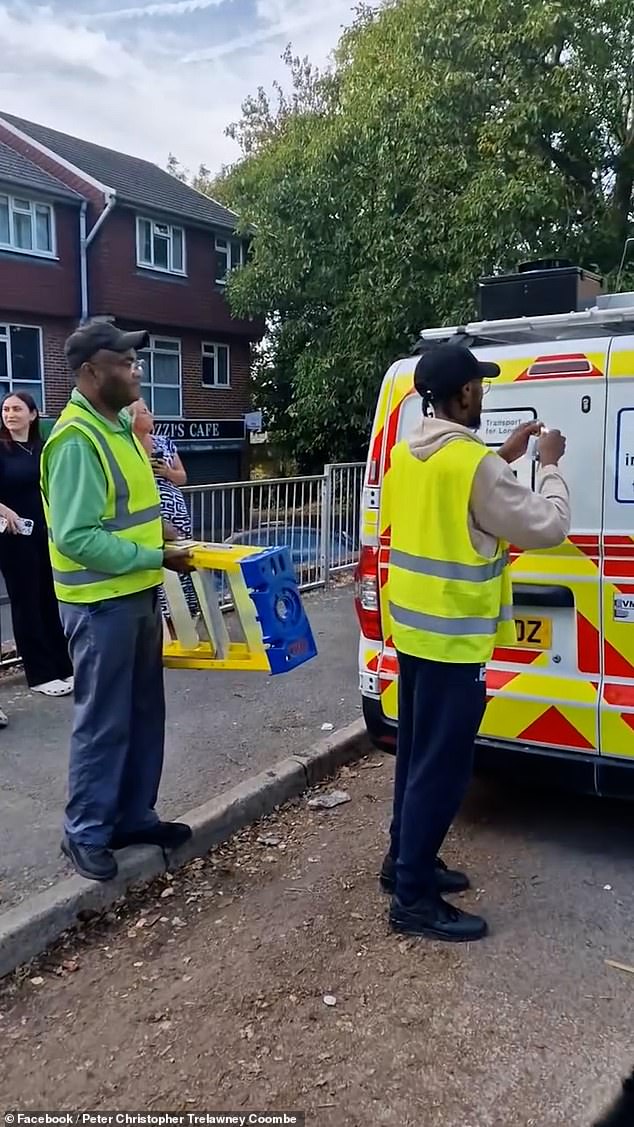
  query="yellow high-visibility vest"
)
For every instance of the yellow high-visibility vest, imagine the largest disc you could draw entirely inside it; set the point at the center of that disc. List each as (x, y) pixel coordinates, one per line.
(132, 510)
(447, 602)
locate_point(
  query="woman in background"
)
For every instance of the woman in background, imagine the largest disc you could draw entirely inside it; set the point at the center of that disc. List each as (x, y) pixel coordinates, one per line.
(170, 476)
(24, 559)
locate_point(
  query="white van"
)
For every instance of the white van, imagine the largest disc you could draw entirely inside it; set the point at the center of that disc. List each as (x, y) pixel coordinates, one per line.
(562, 699)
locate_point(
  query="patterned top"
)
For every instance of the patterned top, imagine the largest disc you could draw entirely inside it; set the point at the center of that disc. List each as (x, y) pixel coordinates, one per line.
(173, 505)
(174, 509)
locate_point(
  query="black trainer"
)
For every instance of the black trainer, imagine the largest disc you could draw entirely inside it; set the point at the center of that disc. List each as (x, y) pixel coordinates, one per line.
(448, 881)
(94, 862)
(434, 918)
(169, 835)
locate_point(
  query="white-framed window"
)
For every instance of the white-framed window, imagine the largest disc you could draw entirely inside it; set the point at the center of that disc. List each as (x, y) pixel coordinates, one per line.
(161, 382)
(26, 226)
(216, 362)
(21, 362)
(230, 254)
(160, 246)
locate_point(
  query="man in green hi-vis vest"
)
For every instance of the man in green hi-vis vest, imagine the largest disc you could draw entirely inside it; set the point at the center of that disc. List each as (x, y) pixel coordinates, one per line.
(107, 553)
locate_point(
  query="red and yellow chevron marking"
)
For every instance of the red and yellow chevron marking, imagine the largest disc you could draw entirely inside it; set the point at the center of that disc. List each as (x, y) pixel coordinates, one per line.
(617, 717)
(580, 558)
(617, 720)
(389, 697)
(541, 709)
(617, 734)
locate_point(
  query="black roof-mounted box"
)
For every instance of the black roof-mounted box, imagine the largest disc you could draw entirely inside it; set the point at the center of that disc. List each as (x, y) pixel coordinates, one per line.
(538, 288)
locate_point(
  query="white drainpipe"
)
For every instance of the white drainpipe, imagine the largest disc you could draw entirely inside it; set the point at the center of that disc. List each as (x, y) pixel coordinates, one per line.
(84, 242)
(83, 264)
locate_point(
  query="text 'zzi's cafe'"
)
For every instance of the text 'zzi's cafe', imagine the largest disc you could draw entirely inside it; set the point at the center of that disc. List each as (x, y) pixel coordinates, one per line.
(212, 450)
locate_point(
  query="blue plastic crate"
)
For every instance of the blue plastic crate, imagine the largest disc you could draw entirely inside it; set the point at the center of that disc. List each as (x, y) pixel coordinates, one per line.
(286, 631)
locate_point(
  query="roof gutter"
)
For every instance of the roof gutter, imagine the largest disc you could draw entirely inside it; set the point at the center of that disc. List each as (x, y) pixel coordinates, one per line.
(85, 239)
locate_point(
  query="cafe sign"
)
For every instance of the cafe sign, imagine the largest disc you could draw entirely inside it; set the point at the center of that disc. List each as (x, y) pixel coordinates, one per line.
(200, 430)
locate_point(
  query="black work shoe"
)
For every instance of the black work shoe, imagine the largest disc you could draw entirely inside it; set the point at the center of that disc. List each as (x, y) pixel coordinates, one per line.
(448, 881)
(434, 918)
(95, 862)
(169, 835)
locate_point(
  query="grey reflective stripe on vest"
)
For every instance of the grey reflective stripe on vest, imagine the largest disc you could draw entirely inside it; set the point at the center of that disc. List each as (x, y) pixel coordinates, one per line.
(123, 518)
(443, 569)
(454, 627)
(79, 578)
(131, 520)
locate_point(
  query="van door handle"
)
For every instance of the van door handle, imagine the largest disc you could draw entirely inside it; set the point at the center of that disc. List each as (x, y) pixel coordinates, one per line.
(541, 595)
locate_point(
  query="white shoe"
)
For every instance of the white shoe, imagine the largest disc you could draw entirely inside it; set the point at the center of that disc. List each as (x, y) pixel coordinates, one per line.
(4, 719)
(70, 681)
(53, 689)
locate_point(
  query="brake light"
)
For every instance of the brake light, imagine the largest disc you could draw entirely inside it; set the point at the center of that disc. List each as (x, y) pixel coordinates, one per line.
(366, 594)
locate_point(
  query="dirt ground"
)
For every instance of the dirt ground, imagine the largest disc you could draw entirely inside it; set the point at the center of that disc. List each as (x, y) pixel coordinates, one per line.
(207, 991)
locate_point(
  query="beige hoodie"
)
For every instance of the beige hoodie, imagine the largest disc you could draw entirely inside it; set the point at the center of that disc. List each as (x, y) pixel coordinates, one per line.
(501, 508)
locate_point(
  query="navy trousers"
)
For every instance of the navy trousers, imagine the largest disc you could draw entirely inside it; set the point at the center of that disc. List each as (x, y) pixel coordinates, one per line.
(440, 711)
(116, 752)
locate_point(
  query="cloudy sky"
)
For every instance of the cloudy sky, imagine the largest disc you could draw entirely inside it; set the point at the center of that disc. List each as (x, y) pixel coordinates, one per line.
(157, 76)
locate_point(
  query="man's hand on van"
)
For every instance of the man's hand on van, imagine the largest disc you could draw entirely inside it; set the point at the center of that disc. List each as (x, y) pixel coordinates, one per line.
(551, 447)
(516, 446)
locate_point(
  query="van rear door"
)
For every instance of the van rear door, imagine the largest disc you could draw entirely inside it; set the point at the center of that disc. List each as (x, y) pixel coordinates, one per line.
(545, 691)
(617, 700)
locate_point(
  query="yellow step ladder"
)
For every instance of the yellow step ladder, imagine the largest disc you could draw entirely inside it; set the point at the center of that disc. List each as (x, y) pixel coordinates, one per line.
(275, 634)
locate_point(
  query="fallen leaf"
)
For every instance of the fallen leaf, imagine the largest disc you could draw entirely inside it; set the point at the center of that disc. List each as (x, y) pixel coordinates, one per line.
(167, 892)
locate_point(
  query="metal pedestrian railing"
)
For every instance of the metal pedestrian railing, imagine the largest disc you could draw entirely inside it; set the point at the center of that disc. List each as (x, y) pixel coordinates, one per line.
(318, 517)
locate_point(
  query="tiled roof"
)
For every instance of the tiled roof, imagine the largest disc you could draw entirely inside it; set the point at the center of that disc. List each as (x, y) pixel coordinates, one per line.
(135, 181)
(18, 170)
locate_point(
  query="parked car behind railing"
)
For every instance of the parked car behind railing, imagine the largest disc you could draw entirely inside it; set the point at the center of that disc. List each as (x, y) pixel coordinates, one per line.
(304, 542)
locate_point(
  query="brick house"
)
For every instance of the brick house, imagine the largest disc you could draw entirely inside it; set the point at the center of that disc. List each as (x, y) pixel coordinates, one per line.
(87, 231)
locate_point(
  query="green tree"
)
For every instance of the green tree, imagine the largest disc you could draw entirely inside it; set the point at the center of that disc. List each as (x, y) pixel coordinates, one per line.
(447, 141)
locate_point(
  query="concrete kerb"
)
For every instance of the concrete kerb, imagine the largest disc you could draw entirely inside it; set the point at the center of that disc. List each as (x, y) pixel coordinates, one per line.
(28, 929)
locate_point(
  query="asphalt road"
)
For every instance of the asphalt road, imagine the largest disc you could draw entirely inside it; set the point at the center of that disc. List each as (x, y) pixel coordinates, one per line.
(221, 728)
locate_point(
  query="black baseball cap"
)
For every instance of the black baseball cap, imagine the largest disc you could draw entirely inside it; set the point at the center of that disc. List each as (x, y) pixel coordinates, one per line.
(446, 368)
(91, 338)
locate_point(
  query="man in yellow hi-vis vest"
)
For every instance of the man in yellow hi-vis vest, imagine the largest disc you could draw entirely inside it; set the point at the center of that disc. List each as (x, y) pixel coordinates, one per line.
(454, 507)
(107, 553)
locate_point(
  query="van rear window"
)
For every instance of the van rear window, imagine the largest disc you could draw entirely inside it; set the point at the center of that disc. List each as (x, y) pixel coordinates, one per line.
(409, 414)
